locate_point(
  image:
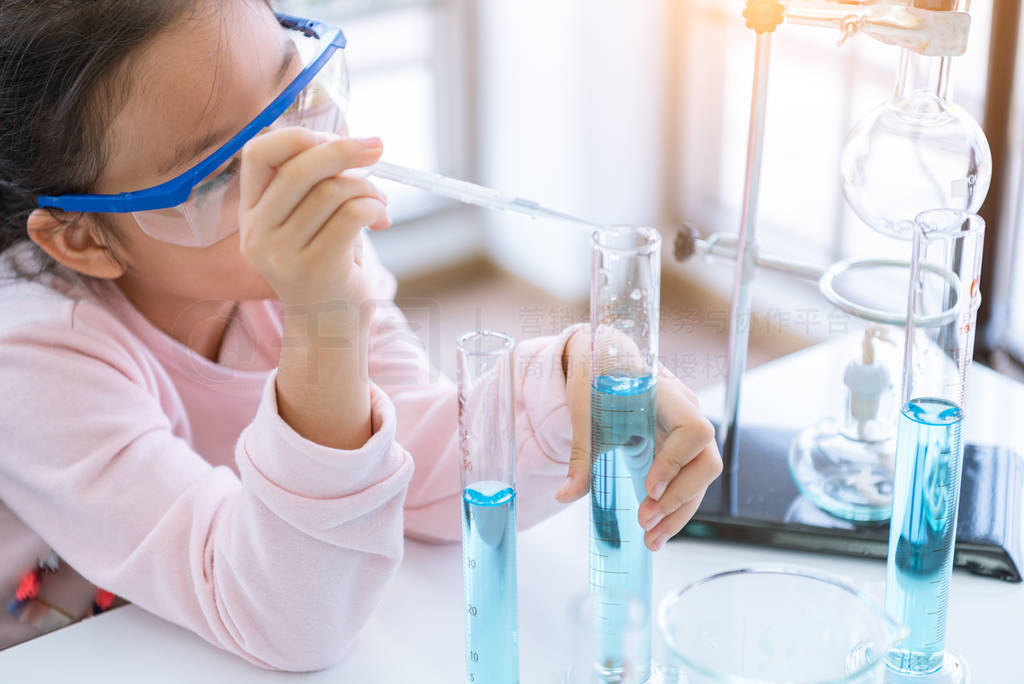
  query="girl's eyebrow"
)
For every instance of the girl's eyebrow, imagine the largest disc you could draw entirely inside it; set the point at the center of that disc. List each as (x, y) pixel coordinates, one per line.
(193, 149)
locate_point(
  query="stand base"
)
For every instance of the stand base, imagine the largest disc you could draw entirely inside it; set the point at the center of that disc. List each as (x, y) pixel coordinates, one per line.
(953, 671)
(757, 502)
(659, 675)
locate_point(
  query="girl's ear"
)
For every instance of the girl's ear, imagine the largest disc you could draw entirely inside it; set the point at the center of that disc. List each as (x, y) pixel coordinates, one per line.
(75, 242)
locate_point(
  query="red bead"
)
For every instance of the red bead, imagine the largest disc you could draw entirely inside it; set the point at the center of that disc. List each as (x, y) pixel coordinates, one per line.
(104, 599)
(28, 588)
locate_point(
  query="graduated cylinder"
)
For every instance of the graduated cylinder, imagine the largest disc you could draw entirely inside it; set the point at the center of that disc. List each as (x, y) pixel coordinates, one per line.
(943, 302)
(487, 446)
(624, 305)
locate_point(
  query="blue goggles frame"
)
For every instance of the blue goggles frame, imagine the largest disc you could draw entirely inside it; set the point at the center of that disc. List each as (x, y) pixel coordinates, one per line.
(177, 190)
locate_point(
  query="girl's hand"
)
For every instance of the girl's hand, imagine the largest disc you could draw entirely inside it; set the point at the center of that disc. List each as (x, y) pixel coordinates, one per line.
(686, 458)
(301, 219)
(300, 215)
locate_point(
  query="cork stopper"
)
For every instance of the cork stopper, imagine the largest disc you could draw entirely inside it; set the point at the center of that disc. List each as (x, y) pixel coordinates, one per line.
(686, 243)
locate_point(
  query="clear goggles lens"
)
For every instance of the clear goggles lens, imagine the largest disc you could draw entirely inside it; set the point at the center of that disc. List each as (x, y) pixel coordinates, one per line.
(211, 212)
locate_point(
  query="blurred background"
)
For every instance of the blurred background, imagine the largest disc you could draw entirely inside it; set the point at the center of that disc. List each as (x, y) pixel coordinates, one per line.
(637, 112)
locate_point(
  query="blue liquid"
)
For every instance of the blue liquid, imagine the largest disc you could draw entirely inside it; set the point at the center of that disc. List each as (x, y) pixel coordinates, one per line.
(926, 496)
(489, 573)
(622, 415)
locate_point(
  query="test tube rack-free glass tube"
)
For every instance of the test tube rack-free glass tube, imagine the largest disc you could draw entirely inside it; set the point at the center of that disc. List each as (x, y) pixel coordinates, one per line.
(488, 467)
(624, 304)
(942, 308)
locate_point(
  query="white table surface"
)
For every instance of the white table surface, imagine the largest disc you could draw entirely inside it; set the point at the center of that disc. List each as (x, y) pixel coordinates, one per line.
(417, 633)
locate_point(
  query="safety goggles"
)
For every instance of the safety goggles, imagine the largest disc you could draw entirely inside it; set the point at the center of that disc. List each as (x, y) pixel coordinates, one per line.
(200, 207)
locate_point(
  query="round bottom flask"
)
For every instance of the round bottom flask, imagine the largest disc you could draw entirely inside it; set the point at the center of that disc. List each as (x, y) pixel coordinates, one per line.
(845, 477)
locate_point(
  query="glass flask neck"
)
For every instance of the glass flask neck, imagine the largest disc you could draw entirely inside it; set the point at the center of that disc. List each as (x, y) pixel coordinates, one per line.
(925, 84)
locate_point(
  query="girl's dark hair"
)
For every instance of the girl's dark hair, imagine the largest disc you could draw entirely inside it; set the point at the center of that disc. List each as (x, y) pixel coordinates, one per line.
(62, 79)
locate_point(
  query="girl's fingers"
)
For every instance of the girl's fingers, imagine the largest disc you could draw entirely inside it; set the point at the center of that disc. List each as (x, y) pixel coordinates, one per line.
(263, 155)
(689, 432)
(300, 174)
(689, 484)
(322, 202)
(339, 234)
(656, 537)
(577, 388)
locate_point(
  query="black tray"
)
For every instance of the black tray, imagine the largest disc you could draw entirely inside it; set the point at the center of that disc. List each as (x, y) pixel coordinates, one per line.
(767, 509)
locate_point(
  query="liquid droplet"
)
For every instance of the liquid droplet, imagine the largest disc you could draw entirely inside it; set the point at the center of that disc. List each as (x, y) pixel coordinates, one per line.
(636, 295)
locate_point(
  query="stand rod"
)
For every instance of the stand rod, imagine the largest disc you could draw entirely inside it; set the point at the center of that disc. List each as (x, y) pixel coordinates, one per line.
(746, 268)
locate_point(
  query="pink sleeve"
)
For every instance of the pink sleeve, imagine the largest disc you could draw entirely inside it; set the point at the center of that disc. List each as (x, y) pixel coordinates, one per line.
(427, 408)
(281, 566)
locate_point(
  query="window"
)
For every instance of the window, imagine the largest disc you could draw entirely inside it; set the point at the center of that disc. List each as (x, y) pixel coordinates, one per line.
(817, 93)
(405, 85)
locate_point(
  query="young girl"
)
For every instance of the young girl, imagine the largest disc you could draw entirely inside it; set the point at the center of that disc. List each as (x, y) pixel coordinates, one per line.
(212, 407)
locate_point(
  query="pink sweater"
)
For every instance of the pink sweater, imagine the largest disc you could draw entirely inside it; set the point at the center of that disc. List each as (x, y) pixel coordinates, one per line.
(172, 482)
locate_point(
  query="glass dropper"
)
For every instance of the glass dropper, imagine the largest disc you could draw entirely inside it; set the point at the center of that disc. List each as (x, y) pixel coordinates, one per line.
(471, 193)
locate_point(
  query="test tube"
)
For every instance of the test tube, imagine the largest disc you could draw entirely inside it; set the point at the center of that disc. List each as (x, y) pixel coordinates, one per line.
(488, 467)
(625, 288)
(942, 307)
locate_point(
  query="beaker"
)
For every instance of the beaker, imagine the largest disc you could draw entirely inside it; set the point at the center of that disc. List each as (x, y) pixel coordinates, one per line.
(942, 308)
(591, 635)
(624, 304)
(488, 467)
(775, 625)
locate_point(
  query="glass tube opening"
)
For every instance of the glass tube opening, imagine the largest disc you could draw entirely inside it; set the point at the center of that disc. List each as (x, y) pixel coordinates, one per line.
(484, 343)
(945, 224)
(627, 239)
